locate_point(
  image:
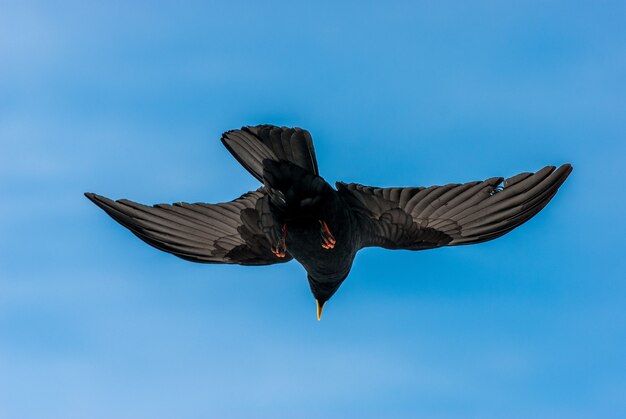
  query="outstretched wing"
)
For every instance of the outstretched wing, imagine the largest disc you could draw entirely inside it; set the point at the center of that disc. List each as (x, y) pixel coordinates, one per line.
(229, 232)
(455, 214)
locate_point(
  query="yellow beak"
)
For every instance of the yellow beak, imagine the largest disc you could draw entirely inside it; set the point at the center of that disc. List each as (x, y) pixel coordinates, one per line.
(320, 307)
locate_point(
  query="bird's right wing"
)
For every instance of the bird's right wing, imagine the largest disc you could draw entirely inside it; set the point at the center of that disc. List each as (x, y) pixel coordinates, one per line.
(229, 232)
(423, 218)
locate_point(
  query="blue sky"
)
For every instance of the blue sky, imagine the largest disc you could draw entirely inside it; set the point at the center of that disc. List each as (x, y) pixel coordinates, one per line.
(129, 101)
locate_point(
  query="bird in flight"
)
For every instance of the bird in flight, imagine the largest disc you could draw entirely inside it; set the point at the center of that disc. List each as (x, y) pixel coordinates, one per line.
(296, 214)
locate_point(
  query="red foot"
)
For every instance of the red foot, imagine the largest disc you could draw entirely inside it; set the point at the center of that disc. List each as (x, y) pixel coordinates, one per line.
(280, 250)
(328, 241)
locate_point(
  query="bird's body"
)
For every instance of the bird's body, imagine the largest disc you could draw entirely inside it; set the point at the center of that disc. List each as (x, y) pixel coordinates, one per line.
(326, 268)
(297, 214)
(300, 201)
(303, 242)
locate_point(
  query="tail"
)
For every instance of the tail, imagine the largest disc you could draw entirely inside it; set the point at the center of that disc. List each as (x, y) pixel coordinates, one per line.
(252, 145)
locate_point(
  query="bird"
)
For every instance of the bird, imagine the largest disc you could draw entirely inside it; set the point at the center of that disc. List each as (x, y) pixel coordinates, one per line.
(297, 214)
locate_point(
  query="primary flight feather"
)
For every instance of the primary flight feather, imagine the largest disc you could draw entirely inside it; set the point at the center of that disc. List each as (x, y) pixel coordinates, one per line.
(296, 214)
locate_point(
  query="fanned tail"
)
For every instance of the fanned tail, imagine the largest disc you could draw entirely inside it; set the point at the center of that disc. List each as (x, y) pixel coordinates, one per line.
(252, 145)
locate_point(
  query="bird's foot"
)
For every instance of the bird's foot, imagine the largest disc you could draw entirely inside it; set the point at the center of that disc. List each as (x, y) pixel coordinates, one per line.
(328, 240)
(280, 249)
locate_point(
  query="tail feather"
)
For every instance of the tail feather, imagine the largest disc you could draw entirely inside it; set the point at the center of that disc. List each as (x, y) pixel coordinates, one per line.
(251, 145)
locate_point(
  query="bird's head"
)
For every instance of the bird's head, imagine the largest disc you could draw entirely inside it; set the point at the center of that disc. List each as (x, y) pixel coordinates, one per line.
(322, 291)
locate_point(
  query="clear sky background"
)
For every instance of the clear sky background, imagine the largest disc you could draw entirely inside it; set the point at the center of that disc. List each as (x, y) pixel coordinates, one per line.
(129, 101)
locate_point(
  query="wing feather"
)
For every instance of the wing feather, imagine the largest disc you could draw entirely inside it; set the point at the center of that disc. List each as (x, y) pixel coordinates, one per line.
(419, 218)
(229, 232)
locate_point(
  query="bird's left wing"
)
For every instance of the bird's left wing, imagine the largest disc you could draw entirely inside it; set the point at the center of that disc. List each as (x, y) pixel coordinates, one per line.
(423, 218)
(229, 232)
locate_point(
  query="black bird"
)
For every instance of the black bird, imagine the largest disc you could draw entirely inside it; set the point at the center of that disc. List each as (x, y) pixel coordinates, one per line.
(297, 214)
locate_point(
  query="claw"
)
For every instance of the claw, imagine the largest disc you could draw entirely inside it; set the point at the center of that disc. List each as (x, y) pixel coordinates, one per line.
(328, 241)
(280, 250)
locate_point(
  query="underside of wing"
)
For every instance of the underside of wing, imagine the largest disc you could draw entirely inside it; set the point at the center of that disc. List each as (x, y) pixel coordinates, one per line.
(422, 218)
(229, 232)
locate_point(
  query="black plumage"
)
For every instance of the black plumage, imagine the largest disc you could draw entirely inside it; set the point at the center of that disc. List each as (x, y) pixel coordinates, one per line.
(296, 214)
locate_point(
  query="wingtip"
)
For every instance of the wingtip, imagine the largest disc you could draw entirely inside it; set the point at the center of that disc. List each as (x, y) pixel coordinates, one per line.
(224, 137)
(564, 170)
(97, 199)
